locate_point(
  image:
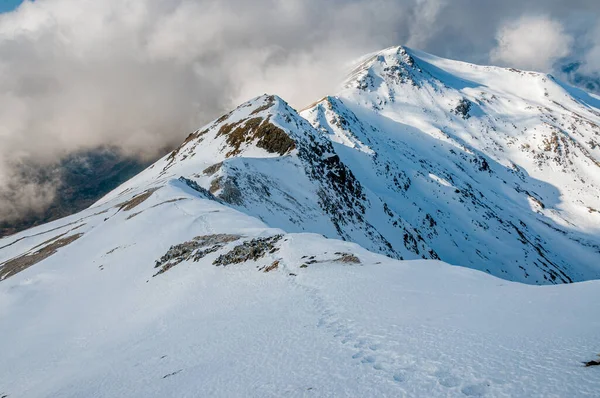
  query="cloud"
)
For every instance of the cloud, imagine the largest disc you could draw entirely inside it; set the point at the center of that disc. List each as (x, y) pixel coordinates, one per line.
(424, 26)
(138, 75)
(591, 59)
(531, 42)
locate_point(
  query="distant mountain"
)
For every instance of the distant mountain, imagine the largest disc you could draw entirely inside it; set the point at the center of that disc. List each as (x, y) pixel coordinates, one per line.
(84, 178)
(264, 256)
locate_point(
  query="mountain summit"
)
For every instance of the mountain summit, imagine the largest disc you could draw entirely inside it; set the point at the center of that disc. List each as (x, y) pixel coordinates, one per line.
(263, 256)
(496, 168)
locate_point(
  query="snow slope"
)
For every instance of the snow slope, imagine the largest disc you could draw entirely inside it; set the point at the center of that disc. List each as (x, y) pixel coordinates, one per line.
(497, 169)
(294, 180)
(92, 320)
(263, 256)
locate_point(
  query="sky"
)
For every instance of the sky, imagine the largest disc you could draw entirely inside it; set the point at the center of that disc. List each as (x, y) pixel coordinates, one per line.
(138, 75)
(9, 5)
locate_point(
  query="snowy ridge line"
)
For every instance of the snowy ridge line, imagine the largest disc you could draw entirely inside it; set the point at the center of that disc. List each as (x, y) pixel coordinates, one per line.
(268, 255)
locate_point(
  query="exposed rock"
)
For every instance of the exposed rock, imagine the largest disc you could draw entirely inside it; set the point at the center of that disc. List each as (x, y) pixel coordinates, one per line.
(261, 131)
(230, 191)
(215, 185)
(136, 200)
(270, 100)
(195, 249)
(463, 108)
(18, 264)
(347, 258)
(194, 185)
(195, 136)
(210, 170)
(593, 362)
(274, 265)
(250, 250)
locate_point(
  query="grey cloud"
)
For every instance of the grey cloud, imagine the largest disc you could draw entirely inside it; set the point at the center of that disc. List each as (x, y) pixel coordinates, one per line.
(140, 74)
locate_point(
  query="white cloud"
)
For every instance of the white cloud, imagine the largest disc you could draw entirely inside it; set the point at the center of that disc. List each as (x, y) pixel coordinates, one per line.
(591, 59)
(531, 42)
(424, 26)
(139, 74)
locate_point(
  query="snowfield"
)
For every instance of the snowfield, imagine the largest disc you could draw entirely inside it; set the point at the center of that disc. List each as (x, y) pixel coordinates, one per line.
(308, 254)
(100, 325)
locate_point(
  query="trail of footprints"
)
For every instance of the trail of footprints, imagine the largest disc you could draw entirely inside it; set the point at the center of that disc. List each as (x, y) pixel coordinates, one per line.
(370, 352)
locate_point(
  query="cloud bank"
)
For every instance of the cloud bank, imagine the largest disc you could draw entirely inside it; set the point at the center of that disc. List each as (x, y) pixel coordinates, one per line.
(137, 75)
(533, 43)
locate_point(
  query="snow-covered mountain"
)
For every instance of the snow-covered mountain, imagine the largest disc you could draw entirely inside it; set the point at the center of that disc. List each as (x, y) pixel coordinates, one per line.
(263, 256)
(418, 157)
(497, 169)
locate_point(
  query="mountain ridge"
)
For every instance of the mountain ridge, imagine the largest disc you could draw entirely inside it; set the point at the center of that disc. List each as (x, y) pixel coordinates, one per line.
(262, 257)
(415, 158)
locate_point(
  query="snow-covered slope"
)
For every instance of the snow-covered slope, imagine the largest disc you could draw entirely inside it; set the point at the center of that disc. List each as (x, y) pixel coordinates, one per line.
(256, 312)
(497, 169)
(262, 257)
(265, 160)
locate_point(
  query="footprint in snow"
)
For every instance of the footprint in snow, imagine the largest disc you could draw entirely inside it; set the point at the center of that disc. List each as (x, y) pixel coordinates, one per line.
(447, 379)
(475, 390)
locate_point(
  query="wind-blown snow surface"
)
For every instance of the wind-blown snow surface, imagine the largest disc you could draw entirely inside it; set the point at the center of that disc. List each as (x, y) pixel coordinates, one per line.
(92, 320)
(214, 272)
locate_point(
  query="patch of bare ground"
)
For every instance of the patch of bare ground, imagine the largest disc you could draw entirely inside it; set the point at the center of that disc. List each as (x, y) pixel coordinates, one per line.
(18, 264)
(156, 205)
(210, 170)
(346, 258)
(250, 250)
(194, 249)
(267, 105)
(54, 229)
(268, 268)
(215, 185)
(342, 257)
(191, 137)
(136, 200)
(267, 136)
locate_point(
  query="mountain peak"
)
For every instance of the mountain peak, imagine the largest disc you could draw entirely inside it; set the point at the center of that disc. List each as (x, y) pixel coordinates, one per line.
(247, 237)
(391, 66)
(359, 165)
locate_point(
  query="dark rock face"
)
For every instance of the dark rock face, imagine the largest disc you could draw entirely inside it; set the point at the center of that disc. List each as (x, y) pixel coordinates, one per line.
(463, 108)
(266, 135)
(85, 178)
